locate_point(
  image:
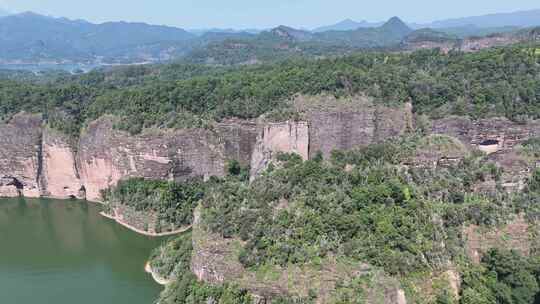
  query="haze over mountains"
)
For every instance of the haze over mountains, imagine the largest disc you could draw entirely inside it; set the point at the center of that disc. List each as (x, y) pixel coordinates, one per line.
(347, 25)
(32, 38)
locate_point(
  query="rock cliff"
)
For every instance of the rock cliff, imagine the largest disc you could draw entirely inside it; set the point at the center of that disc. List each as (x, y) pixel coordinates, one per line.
(287, 137)
(106, 155)
(37, 161)
(20, 156)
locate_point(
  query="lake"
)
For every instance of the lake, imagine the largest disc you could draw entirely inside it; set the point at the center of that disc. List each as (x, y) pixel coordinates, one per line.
(62, 252)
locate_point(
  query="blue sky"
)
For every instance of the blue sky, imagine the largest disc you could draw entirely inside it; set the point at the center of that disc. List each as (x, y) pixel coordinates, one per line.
(263, 14)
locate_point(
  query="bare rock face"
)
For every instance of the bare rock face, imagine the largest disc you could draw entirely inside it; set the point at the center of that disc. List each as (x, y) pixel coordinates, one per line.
(345, 128)
(477, 44)
(286, 137)
(239, 138)
(60, 178)
(20, 162)
(487, 132)
(107, 155)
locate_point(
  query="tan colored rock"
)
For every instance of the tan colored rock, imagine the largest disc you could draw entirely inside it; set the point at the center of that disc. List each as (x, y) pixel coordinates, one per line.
(496, 134)
(286, 137)
(345, 124)
(106, 155)
(20, 141)
(454, 279)
(60, 178)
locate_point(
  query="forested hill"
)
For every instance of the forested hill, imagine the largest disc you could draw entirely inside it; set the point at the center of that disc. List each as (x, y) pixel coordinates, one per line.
(492, 82)
(30, 38)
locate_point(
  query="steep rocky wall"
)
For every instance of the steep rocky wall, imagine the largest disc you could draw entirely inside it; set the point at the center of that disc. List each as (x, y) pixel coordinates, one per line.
(287, 137)
(20, 149)
(239, 137)
(59, 177)
(507, 133)
(345, 128)
(35, 160)
(106, 155)
(477, 44)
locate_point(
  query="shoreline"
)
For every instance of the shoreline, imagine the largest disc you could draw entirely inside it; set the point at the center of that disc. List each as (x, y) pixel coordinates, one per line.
(111, 217)
(155, 276)
(146, 233)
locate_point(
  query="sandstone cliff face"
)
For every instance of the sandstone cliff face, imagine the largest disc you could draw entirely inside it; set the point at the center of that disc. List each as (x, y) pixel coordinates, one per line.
(107, 155)
(20, 162)
(345, 128)
(59, 177)
(38, 161)
(286, 137)
(505, 133)
(239, 138)
(477, 44)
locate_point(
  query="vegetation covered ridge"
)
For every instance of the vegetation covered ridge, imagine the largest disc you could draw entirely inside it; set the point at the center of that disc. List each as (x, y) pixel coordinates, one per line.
(368, 211)
(493, 82)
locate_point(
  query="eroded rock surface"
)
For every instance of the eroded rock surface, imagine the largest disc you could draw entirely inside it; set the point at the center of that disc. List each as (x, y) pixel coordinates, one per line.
(60, 178)
(505, 133)
(20, 161)
(353, 124)
(286, 137)
(107, 156)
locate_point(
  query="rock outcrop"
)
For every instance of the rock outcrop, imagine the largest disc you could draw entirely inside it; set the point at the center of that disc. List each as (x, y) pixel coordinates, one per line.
(20, 156)
(286, 137)
(106, 156)
(346, 126)
(59, 177)
(495, 131)
(515, 235)
(37, 161)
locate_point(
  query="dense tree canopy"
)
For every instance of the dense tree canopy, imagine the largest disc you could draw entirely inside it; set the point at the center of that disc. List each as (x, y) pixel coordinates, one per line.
(502, 81)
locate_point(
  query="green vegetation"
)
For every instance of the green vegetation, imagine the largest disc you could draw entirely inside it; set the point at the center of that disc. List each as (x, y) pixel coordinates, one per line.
(376, 212)
(365, 207)
(185, 289)
(500, 82)
(173, 202)
(504, 277)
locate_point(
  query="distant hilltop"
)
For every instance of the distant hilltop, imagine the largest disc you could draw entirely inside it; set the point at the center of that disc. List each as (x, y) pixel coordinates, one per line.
(29, 38)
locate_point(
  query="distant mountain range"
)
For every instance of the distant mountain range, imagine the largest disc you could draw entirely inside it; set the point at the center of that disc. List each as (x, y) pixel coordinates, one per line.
(200, 32)
(515, 19)
(347, 25)
(29, 38)
(286, 42)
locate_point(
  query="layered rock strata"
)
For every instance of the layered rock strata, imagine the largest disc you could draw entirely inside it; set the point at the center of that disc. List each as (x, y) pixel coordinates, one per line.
(37, 161)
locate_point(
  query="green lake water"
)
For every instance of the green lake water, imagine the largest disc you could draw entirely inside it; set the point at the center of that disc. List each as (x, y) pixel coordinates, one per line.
(64, 252)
